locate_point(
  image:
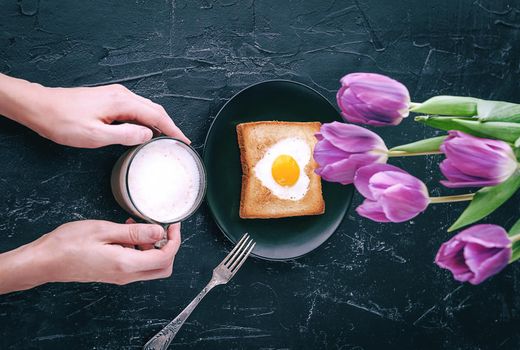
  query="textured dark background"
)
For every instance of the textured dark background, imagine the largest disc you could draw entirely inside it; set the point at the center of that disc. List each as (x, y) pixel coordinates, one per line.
(371, 286)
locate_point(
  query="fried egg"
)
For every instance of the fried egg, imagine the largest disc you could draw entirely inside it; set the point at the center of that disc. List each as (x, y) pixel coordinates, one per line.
(282, 168)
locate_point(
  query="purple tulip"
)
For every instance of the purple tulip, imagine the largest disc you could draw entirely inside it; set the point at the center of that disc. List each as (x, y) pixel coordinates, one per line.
(372, 99)
(391, 194)
(476, 253)
(476, 162)
(343, 148)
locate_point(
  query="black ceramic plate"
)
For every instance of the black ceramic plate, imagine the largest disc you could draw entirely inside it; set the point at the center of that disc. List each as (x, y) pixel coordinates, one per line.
(277, 239)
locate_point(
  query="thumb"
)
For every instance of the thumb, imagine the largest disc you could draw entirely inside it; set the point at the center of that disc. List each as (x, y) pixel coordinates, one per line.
(125, 134)
(135, 233)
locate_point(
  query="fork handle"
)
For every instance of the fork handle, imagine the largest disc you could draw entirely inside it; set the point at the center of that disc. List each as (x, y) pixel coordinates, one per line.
(162, 340)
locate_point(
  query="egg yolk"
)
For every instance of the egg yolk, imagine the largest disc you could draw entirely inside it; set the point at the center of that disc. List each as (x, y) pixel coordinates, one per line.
(285, 170)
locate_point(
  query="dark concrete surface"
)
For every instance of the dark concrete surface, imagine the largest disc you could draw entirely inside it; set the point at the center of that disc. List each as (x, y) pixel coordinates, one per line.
(371, 286)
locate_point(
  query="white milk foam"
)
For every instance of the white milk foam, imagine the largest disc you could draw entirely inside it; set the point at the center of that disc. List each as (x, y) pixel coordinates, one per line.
(164, 180)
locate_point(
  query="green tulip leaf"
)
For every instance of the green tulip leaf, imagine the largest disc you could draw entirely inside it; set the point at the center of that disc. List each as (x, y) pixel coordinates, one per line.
(427, 145)
(486, 200)
(448, 105)
(498, 111)
(448, 123)
(442, 123)
(515, 230)
(509, 132)
(516, 252)
(517, 143)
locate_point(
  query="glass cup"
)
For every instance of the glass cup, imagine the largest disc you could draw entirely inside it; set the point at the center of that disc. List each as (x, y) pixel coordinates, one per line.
(125, 167)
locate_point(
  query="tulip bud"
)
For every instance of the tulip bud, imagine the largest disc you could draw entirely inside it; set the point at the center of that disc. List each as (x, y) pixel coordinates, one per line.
(372, 99)
(476, 253)
(392, 195)
(476, 162)
(343, 148)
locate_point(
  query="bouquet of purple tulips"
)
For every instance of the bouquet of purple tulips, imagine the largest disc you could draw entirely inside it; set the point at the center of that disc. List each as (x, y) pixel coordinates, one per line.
(481, 148)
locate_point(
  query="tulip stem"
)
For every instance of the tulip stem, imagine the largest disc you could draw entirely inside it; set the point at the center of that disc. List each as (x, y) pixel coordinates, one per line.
(410, 154)
(414, 104)
(515, 238)
(456, 198)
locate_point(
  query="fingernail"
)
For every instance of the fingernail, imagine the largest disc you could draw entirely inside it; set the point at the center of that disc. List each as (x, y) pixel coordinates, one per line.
(156, 232)
(146, 134)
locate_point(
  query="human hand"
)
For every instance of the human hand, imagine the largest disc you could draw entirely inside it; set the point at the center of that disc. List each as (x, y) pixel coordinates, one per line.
(87, 117)
(90, 251)
(101, 251)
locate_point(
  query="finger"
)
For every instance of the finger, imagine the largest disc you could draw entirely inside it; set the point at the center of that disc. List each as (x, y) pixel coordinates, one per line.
(152, 259)
(134, 109)
(174, 235)
(141, 261)
(177, 132)
(130, 221)
(133, 234)
(151, 275)
(126, 134)
(149, 102)
(140, 246)
(155, 130)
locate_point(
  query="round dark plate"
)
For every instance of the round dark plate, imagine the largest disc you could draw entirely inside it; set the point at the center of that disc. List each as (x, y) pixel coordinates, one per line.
(276, 239)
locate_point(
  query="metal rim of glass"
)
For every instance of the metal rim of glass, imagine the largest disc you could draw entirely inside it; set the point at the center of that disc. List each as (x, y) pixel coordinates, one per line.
(202, 180)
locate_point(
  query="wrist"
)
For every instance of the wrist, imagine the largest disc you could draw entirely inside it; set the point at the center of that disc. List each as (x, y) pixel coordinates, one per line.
(21, 101)
(25, 267)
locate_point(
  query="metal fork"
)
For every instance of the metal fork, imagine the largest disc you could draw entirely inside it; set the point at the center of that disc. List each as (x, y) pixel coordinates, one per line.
(221, 275)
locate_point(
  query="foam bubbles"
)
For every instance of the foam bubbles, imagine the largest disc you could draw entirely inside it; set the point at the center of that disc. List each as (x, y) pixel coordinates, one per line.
(164, 180)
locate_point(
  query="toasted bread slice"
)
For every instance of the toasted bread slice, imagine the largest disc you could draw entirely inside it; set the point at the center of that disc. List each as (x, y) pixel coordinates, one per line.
(256, 200)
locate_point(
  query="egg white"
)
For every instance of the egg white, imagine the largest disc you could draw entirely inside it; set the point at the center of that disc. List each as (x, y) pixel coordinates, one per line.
(301, 152)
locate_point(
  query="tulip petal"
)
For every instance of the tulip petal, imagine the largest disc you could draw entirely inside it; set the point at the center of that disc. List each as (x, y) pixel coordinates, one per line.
(385, 86)
(326, 153)
(339, 172)
(382, 180)
(358, 111)
(476, 253)
(401, 203)
(339, 96)
(366, 114)
(352, 138)
(458, 179)
(450, 256)
(343, 148)
(363, 175)
(473, 161)
(373, 99)
(374, 104)
(343, 171)
(451, 184)
(485, 262)
(486, 235)
(477, 160)
(372, 210)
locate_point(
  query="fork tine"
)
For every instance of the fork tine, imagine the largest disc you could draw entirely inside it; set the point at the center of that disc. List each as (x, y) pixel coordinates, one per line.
(243, 259)
(241, 256)
(239, 243)
(243, 247)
